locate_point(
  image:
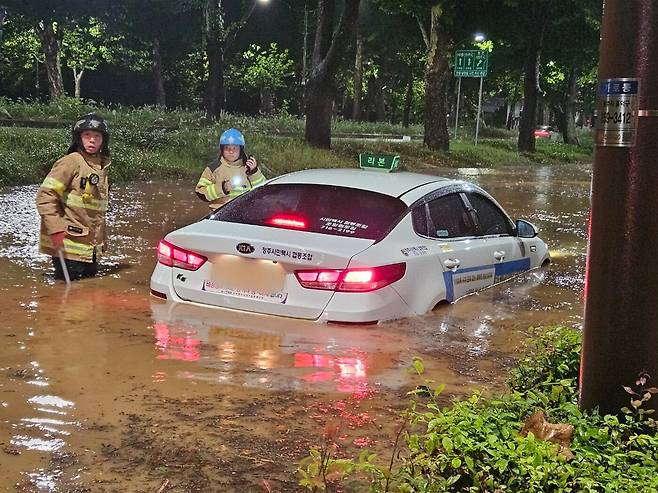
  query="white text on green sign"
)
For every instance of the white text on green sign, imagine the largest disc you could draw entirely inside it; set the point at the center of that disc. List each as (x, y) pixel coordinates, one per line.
(471, 63)
(384, 162)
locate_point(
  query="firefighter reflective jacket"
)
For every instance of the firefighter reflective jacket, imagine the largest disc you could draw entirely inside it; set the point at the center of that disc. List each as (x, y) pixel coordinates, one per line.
(222, 181)
(73, 198)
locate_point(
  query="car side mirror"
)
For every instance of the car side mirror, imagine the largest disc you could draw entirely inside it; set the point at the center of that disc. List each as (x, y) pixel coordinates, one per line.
(524, 229)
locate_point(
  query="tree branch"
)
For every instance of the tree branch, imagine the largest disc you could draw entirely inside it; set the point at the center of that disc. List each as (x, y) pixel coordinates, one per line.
(423, 31)
(343, 31)
(230, 38)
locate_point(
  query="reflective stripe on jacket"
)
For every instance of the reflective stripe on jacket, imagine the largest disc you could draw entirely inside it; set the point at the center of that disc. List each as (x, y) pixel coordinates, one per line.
(209, 186)
(69, 200)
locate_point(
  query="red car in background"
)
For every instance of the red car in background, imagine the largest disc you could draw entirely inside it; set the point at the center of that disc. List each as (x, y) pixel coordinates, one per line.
(544, 132)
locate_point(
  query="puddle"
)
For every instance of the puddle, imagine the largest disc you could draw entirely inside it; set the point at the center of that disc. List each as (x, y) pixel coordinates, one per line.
(103, 388)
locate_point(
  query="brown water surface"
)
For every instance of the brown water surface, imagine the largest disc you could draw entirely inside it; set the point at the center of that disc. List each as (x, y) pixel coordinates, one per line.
(103, 388)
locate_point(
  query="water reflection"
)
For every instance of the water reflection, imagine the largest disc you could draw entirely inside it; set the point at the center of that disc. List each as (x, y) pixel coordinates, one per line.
(270, 353)
(169, 346)
(349, 373)
(45, 480)
(50, 400)
(37, 433)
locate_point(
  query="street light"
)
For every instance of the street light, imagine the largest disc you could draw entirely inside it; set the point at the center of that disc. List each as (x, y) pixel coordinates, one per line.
(477, 38)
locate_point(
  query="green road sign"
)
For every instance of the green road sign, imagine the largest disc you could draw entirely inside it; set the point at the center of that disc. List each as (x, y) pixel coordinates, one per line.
(471, 63)
(384, 162)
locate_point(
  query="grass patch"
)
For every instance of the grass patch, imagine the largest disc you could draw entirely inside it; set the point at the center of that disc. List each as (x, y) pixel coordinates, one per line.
(152, 143)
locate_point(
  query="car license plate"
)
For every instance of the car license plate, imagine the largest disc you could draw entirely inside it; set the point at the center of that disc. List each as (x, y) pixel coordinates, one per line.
(233, 272)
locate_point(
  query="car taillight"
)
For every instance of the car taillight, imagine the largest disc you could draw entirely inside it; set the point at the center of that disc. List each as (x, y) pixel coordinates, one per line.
(287, 221)
(173, 256)
(357, 280)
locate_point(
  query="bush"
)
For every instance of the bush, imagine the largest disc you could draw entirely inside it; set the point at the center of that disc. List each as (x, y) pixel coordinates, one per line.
(475, 444)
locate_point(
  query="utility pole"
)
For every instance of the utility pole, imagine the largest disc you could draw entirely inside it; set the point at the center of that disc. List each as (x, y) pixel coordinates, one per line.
(620, 337)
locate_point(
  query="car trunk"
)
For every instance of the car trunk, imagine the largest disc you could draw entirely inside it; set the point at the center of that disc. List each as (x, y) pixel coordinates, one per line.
(252, 268)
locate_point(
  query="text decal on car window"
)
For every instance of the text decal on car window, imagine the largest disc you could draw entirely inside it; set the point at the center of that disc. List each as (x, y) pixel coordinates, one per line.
(341, 225)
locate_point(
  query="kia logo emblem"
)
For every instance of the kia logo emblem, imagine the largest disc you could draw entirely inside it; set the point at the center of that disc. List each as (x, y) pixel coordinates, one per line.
(245, 248)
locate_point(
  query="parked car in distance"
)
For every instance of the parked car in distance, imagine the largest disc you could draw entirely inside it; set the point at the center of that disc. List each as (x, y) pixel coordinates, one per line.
(544, 132)
(346, 245)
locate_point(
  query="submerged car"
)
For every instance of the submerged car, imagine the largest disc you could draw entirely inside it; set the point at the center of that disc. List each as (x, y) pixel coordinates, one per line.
(346, 245)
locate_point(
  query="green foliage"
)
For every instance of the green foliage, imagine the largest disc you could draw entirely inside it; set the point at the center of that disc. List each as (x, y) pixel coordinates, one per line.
(62, 109)
(150, 142)
(261, 69)
(552, 364)
(639, 395)
(20, 56)
(83, 47)
(21, 47)
(26, 155)
(475, 444)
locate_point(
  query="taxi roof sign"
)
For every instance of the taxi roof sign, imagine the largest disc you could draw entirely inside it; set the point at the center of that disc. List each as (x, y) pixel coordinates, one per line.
(382, 162)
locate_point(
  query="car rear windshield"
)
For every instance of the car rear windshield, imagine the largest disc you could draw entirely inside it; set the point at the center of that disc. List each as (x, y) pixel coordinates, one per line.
(331, 210)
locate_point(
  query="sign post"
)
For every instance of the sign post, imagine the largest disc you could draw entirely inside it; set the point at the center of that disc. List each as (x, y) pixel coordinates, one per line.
(477, 120)
(459, 90)
(471, 63)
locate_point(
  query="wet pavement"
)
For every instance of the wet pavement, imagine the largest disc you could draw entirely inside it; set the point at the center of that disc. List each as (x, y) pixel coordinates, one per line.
(103, 388)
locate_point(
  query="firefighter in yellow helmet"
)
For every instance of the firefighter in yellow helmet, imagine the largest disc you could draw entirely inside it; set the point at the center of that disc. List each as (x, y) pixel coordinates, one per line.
(72, 200)
(231, 174)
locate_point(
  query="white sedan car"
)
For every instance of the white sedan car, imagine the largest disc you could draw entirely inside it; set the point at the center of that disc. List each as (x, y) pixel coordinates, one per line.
(346, 245)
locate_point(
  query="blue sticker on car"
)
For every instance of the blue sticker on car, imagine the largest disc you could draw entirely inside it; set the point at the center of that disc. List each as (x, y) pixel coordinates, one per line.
(500, 270)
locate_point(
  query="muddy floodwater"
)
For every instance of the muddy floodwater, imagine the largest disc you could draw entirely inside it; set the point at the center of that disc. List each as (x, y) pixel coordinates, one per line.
(105, 389)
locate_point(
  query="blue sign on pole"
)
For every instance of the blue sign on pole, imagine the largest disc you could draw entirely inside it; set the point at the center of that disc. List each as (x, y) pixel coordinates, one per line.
(616, 112)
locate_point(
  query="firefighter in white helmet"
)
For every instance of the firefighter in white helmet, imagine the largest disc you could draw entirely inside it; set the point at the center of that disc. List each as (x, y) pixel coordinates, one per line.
(231, 174)
(72, 201)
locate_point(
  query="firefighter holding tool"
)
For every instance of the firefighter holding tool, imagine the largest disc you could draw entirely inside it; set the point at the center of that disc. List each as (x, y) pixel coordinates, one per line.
(72, 201)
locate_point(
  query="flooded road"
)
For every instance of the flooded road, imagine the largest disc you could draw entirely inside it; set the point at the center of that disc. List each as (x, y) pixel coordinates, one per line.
(103, 388)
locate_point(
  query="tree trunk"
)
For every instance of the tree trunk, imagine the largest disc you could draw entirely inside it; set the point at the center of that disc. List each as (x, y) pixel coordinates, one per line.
(319, 108)
(328, 50)
(77, 77)
(358, 77)
(380, 102)
(531, 86)
(215, 91)
(408, 99)
(158, 79)
(540, 117)
(437, 74)
(50, 48)
(569, 127)
(266, 102)
(508, 116)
